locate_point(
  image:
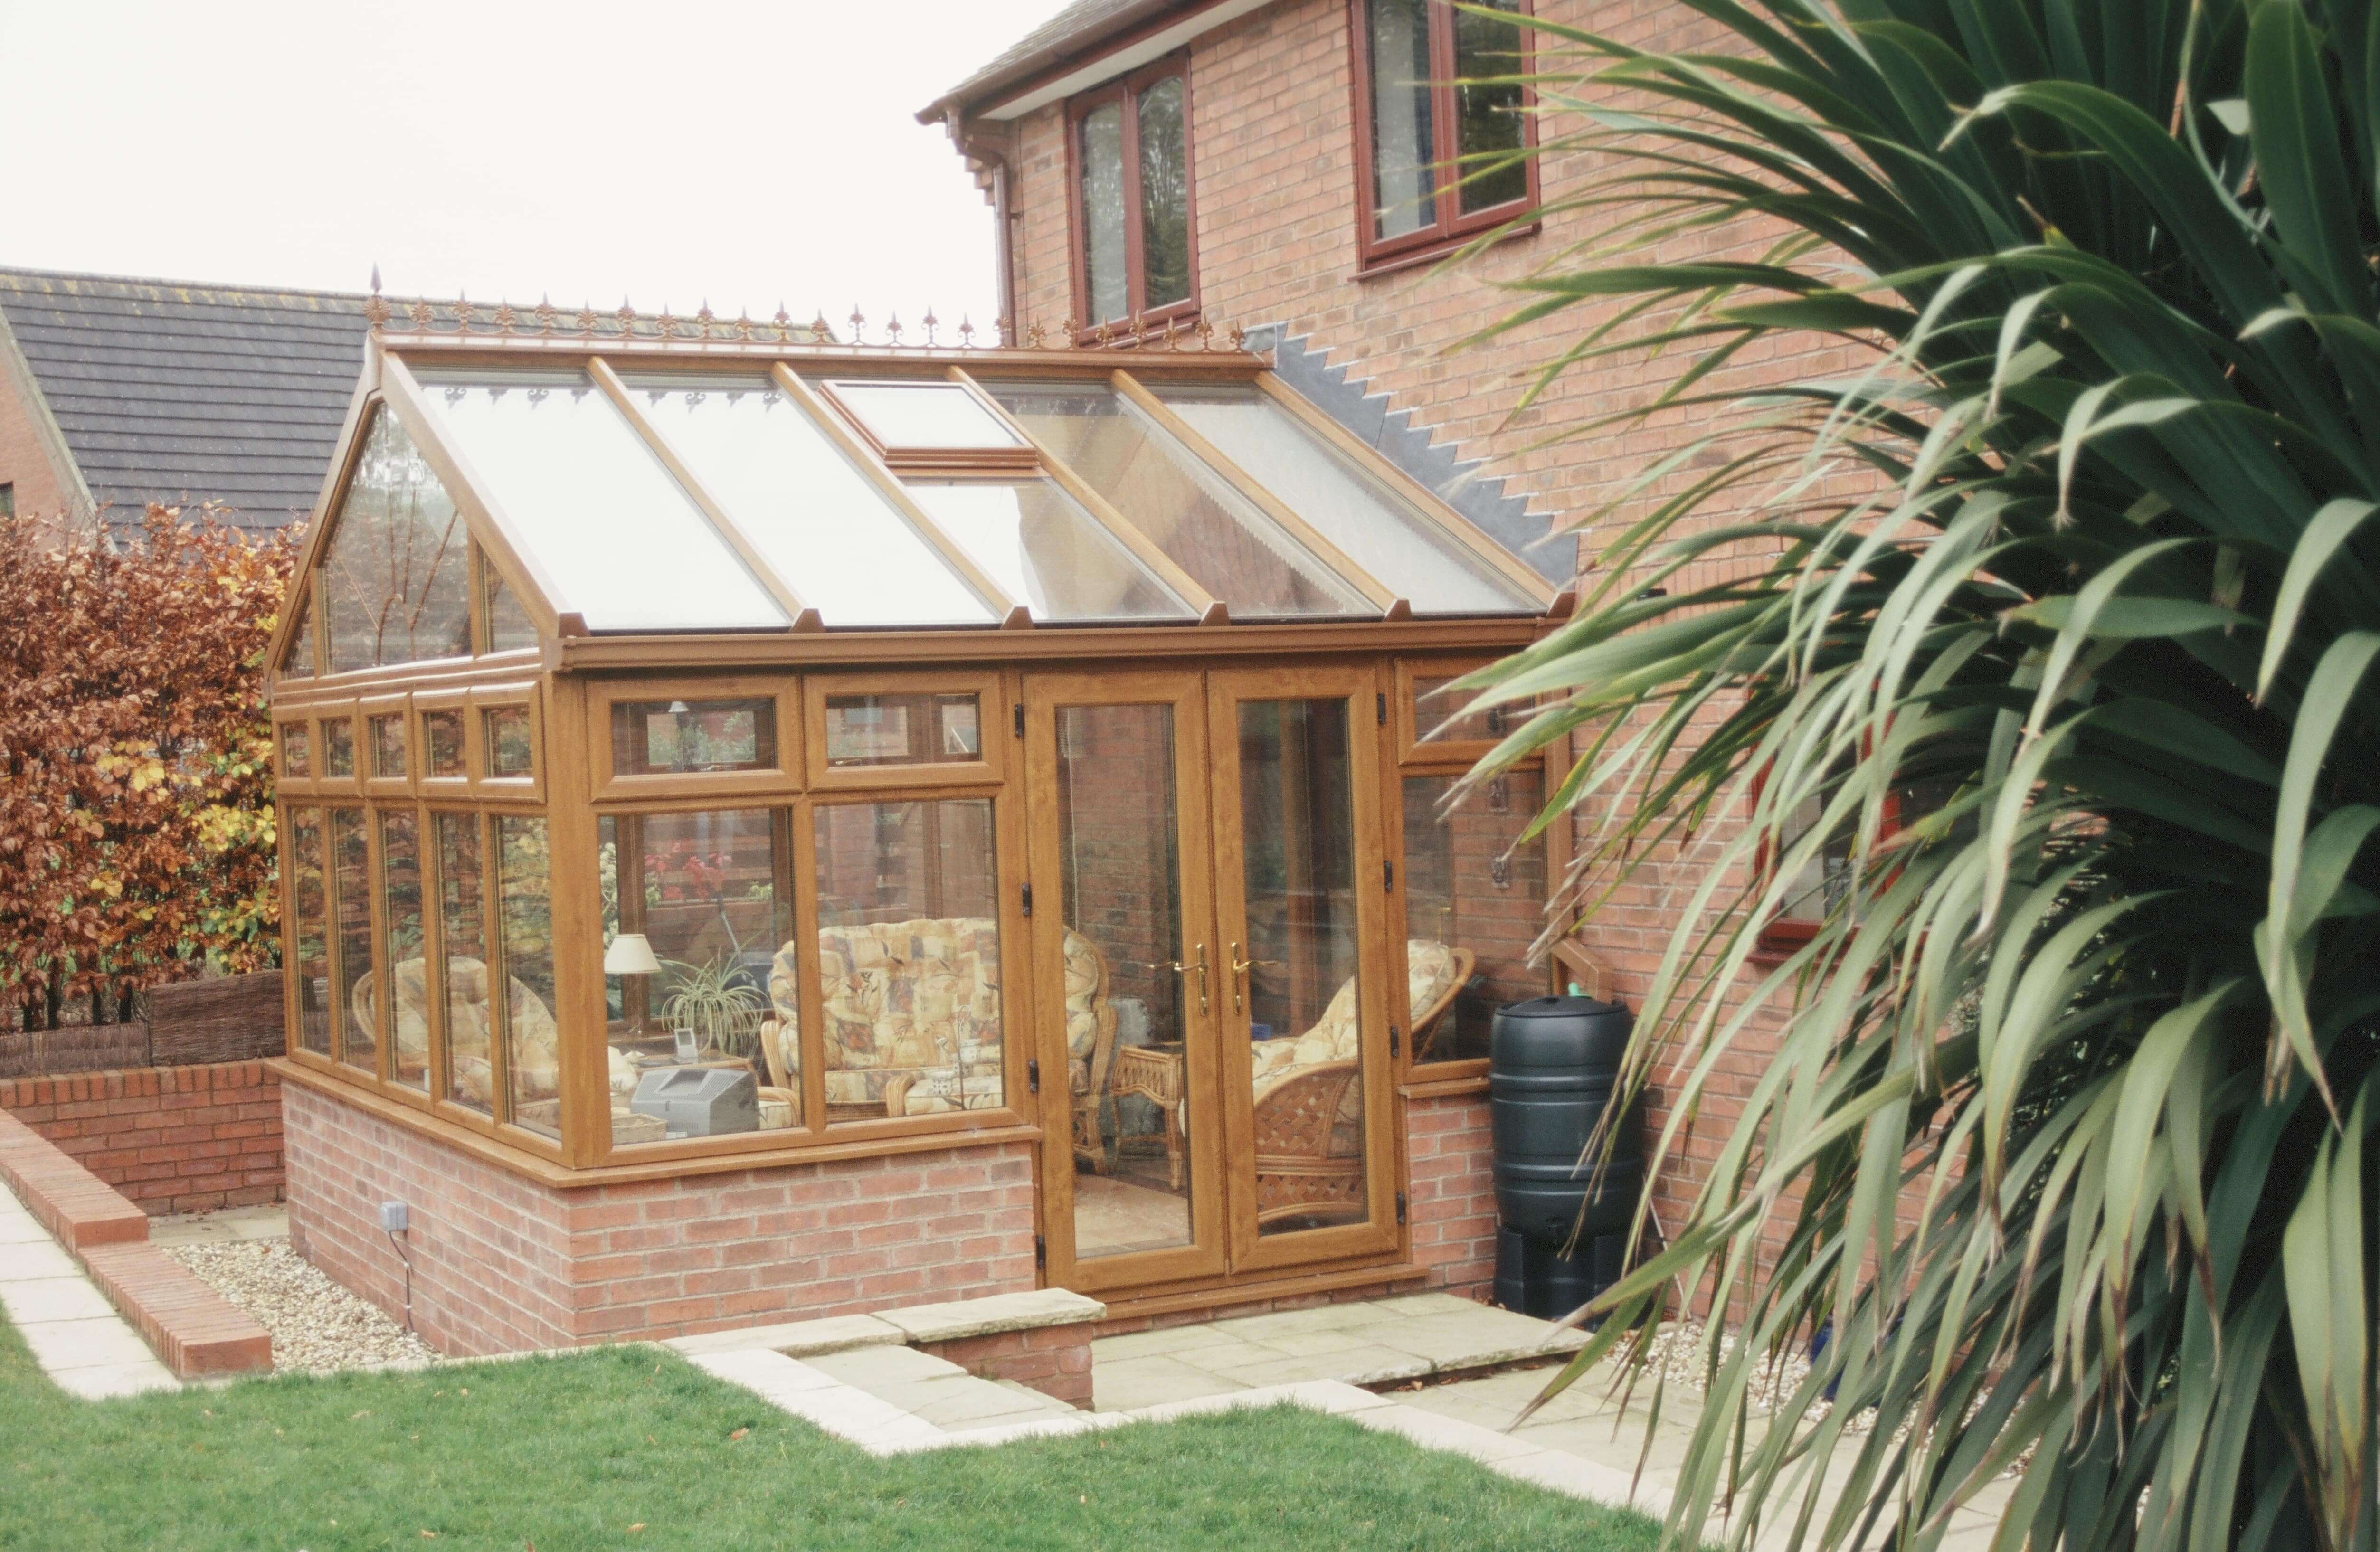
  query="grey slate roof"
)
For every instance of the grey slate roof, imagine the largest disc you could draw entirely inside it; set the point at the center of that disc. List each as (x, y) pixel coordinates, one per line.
(1078, 27)
(181, 392)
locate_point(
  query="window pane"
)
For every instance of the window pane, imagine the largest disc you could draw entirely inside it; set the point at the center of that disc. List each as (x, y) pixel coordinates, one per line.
(311, 905)
(921, 729)
(1164, 196)
(441, 737)
(924, 415)
(462, 923)
(339, 747)
(1297, 839)
(1487, 113)
(1378, 529)
(387, 746)
(624, 546)
(508, 623)
(505, 730)
(1434, 705)
(1403, 178)
(1223, 540)
(1100, 152)
(700, 968)
(1127, 1013)
(299, 661)
(351, 901)
(1464, 896)
(815, 519)
(400, 915)
(909, 958)
(396, 583)
(1047, 552)
(674, 735)
(525, 925)
(297, 751)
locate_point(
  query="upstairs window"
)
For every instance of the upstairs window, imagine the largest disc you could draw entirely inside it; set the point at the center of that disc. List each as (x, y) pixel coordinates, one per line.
(1133, 256)
(1439, 101)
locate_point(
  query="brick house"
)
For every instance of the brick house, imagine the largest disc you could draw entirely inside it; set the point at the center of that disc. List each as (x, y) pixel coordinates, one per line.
(117, 393)
(1266, 165)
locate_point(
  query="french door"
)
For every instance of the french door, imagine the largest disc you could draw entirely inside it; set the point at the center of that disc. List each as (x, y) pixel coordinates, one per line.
(1208, 857)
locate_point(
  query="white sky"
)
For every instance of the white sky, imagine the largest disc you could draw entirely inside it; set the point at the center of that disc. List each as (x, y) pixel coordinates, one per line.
(737, 151)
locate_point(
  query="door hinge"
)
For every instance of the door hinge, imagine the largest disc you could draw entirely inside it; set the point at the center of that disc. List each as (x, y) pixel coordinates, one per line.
(1042, 1253)
(1032, 1075)
(1393, 1043)
(1380, 709)
(1028, 899)
(1387, 875)
(1400, 1206)
(1020, 718)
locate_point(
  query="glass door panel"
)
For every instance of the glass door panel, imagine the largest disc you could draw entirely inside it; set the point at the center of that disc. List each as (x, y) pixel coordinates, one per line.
(1301, 883)
(1127, 979)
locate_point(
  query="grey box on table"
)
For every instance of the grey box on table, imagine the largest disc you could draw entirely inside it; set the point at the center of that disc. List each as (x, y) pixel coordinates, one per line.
(699, 1101)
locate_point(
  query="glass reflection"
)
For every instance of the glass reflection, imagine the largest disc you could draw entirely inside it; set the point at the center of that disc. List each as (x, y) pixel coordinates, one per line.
(1047, 552)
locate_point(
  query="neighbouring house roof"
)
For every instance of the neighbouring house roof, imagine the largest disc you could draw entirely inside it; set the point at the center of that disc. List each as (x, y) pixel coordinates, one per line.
(174, 392)
(1098, 38)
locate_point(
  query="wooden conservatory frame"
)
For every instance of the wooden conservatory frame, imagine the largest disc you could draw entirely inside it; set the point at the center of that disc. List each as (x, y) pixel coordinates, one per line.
(567, 682)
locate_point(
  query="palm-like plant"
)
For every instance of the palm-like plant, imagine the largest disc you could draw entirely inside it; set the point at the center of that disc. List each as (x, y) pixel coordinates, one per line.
(2070, 1115)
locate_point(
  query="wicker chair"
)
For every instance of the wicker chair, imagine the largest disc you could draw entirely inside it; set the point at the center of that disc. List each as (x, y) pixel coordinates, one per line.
(1308, 1124)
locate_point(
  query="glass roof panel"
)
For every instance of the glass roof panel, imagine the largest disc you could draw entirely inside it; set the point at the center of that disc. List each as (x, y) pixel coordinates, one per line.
(624, 544)
(1223, 540)
(1047, 553)
(1378, 529)
(907, 415)
(813, 516)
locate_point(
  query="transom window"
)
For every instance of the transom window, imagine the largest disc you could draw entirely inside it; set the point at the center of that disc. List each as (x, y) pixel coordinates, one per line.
(1443, 119)
(1134, 258)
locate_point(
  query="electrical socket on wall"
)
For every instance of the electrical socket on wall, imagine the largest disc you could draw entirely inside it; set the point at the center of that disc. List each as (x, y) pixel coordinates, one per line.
(395, 1217)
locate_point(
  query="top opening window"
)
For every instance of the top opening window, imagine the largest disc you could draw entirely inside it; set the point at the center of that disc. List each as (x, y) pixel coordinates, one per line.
(924, 416)
(1445, 123)
(1135, 260)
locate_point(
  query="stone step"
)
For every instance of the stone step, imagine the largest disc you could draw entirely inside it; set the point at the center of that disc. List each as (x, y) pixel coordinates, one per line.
(935, 1390)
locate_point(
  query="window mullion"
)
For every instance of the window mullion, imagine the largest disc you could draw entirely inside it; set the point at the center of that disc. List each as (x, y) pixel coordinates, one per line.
(1136, 286)
(1445, 197)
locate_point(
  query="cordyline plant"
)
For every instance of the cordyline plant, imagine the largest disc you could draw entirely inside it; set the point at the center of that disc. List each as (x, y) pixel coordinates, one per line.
(2071, 1124)
(136, 795)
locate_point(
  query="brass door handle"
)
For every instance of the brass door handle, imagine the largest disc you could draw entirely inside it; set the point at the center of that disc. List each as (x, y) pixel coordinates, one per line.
(1239, 977)
(1200, 966)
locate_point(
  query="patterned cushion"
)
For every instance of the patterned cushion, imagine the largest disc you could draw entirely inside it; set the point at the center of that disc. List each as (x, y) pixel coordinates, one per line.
(535, 1053)
(919, 1000)
(1429, 970)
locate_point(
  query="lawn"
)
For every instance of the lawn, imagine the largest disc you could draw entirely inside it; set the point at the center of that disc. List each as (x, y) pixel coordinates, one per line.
(631, 1448)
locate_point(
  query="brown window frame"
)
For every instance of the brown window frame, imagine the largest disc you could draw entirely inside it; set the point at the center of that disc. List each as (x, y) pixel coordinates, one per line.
(1137, 319)
(1778, 936)
(1452, 228)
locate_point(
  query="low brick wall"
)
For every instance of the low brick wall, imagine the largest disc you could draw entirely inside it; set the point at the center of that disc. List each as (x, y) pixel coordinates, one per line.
(1451, 1196)
(502, 1262)
(1054, 1360)
(172, 1139)
(195, 1330)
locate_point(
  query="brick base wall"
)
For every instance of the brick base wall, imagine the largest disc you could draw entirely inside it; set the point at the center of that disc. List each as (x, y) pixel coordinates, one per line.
(502, 1262)
(172, 1139)
(1451, 1196)
(1054, 1360)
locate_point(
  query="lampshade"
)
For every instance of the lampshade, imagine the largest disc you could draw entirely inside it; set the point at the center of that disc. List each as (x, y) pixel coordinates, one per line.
(630, 954)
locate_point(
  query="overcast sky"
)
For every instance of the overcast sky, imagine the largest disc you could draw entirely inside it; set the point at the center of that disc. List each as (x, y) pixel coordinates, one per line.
(734, 152)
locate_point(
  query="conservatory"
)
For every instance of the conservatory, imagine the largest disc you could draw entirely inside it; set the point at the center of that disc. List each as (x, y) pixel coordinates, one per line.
(771, 825)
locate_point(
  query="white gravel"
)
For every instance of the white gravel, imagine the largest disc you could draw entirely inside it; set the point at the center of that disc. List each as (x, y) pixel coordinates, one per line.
(317, 1325)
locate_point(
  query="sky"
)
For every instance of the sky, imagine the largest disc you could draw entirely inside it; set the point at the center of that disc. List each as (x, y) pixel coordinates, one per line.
(738, 153)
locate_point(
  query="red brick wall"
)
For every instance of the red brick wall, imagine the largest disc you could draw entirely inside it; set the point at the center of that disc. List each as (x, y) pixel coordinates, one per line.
(1451, 1196)
(172, 1139)
(502, 1262)
(23, 461)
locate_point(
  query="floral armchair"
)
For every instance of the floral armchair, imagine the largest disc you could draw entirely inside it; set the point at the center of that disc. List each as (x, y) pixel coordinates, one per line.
(913, 1015)
(535, 1052)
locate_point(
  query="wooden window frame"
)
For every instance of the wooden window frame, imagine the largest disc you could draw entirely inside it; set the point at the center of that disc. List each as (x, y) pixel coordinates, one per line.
(1137, 320)
(989, 769)
(1413, 757)
(486, 788)
(285, 783)
(323, 714)
(436, 788)
(369, 710)
(919, 459)
(1779, 937)
(1453, 228)
(607, 785)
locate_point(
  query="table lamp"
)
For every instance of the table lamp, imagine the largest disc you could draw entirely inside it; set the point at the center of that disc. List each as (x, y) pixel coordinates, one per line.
(631, 953)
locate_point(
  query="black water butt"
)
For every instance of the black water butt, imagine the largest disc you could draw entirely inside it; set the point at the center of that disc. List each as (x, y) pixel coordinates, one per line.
(1553, 1064)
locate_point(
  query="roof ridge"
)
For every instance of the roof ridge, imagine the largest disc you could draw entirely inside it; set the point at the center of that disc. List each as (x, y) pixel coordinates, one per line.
(9, 271)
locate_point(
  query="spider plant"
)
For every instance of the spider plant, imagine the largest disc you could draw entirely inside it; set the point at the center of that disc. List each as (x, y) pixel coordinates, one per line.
(718, 1001)
(2067, 1116)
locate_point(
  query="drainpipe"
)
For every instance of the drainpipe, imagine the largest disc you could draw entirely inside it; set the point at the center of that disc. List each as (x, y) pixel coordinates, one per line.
(986, 156)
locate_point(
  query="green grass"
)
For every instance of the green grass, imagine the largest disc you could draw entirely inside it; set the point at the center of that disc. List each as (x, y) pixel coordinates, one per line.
(630, 1448)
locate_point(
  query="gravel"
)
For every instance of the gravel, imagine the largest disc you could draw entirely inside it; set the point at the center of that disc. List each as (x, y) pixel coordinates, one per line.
(317, 1325)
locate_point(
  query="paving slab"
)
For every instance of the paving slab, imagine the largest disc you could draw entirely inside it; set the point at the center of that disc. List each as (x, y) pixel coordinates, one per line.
(1474, 1338)
(1130, 1384)
(19, 1226)
(990, 1316)
(1162, 1340)
(224, 1226)
(39, 1257)
(795, 1338)
(68, 1297)
(862, 1365)
(79, 1344)
(1370, 1363)
(102, 1382)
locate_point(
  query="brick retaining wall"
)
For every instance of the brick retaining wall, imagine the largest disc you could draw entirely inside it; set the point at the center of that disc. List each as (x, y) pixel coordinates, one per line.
(172, 1139)
(502, 1263)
